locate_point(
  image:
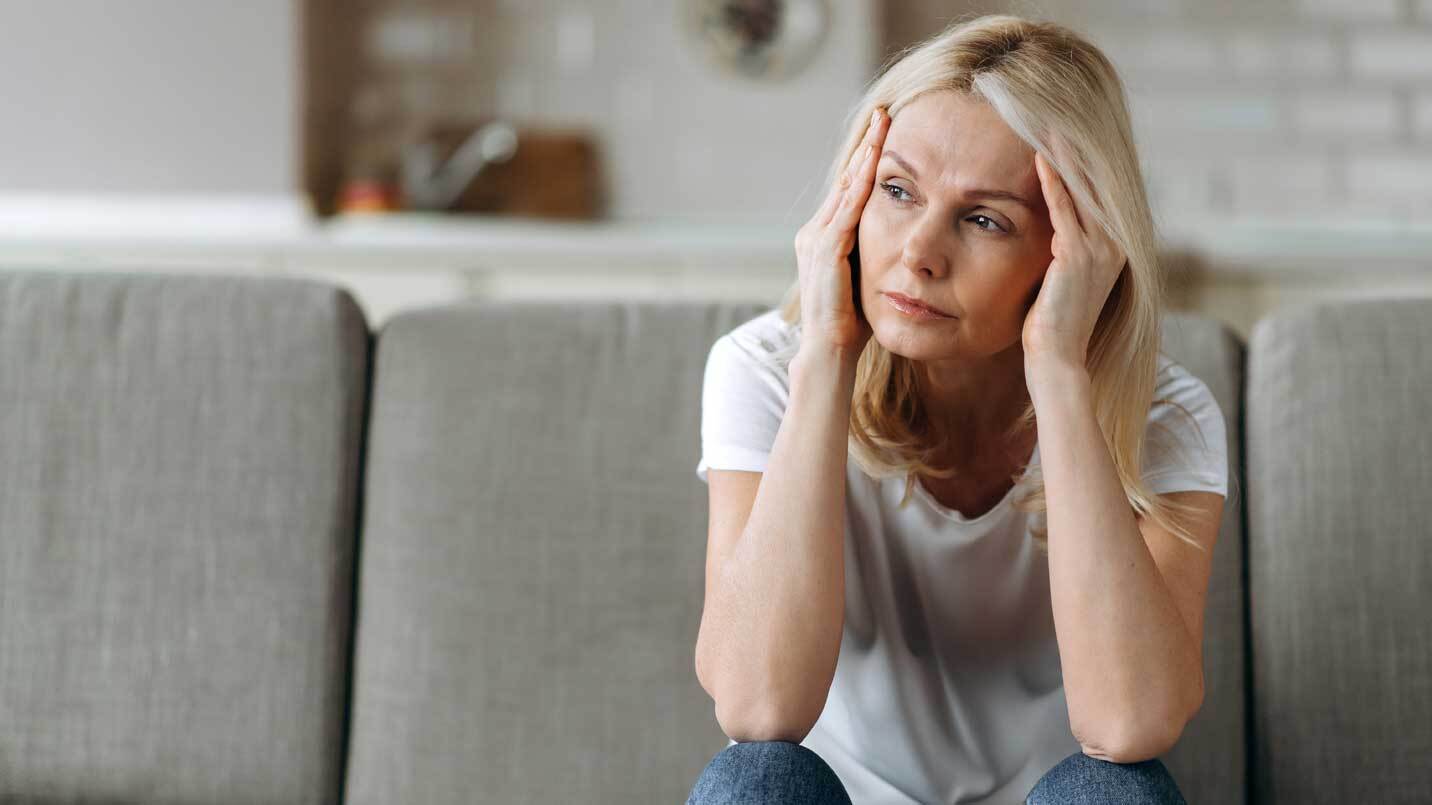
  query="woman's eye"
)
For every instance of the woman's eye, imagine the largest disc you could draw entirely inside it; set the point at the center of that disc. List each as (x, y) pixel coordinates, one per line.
(891, 190)
(997, 227)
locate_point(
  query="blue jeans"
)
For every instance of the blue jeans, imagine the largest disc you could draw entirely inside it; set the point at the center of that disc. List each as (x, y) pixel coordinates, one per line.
(785, 773)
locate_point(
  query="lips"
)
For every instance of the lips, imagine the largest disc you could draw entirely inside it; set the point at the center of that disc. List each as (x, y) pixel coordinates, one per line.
(916, 303)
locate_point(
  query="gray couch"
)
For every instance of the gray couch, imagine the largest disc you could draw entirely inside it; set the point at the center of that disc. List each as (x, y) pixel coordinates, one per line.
(251, 552)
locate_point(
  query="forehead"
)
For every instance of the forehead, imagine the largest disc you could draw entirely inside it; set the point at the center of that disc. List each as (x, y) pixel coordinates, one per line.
(952, 138)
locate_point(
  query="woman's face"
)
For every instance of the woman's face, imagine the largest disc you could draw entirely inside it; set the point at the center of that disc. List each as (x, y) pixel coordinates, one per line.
(931, 231)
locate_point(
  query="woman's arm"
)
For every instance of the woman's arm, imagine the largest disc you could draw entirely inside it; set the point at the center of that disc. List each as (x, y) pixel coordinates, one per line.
(1133, 672)
(771, 629)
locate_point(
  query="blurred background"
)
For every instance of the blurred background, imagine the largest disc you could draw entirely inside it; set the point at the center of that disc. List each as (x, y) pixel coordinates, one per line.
(434, 150)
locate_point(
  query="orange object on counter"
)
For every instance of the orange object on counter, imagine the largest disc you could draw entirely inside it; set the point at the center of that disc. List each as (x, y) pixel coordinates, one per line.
(367, 195)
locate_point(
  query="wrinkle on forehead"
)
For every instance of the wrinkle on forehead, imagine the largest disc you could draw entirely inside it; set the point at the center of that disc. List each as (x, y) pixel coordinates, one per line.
(962, 144)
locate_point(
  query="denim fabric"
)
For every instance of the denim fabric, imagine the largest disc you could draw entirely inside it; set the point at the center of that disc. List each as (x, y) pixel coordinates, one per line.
(1080, 779)
(758, 772)
(785, 773)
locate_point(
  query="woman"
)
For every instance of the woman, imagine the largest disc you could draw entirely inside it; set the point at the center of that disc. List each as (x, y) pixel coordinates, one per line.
(902, 626)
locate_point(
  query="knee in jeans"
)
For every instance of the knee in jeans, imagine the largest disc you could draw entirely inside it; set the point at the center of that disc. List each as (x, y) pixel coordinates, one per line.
(767, 771)
(1080, 778)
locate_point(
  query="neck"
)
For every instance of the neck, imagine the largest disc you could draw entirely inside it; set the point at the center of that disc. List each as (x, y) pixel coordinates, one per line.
(973, 405)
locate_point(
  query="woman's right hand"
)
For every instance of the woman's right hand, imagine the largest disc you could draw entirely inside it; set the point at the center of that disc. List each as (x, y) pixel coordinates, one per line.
(829, 316)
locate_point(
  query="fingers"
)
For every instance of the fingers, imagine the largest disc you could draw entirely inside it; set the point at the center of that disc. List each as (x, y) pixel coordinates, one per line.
(1062, 210)
(861, 166)
(832, 199)
(1067, 213)
(848, 214)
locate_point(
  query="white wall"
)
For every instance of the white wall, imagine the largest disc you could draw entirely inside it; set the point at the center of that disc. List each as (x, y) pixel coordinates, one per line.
(193, 97)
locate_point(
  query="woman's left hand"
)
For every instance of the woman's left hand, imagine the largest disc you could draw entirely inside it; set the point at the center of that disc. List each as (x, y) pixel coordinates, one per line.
(1087, 262)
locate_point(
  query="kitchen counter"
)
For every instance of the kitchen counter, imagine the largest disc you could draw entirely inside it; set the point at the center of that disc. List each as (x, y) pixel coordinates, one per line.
(397, 260)
(266, 230)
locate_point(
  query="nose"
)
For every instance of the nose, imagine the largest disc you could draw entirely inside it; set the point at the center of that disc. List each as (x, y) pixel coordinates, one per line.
(922, 253)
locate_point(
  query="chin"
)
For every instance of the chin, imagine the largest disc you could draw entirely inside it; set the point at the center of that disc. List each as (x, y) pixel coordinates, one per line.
(915, 342)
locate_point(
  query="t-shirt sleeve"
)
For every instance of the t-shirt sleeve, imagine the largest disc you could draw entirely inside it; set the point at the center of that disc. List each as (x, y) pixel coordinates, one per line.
(1186, 451)
(742, 401)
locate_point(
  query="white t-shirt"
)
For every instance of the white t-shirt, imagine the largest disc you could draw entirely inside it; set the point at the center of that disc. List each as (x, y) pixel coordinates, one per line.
(948, 687)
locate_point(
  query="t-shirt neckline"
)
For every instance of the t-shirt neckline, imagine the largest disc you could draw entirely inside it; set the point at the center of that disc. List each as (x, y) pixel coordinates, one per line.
(951, 514)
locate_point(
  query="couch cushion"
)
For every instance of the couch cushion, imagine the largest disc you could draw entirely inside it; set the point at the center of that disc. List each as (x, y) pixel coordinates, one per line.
(1209, 760)
(533, 555)
(177, 506)
(1340, 560)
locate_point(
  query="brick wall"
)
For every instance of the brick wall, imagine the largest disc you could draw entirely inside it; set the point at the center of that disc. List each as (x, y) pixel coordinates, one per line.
(1283, 109)
(1266, 109)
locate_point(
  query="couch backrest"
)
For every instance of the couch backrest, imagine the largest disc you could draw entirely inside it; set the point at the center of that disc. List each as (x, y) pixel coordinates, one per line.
(178, 509)
(1209, 761)
(532, 556)
(533, 553)
(1340, 555)
(177, 505)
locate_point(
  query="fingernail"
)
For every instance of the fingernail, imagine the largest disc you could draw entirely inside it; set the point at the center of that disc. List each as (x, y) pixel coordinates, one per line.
(875, 116)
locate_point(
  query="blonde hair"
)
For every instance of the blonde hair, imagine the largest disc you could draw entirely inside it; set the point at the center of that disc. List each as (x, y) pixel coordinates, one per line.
(1041, 78)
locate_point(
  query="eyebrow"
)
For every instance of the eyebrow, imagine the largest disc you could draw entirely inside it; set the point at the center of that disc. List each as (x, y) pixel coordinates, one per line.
(976, 192)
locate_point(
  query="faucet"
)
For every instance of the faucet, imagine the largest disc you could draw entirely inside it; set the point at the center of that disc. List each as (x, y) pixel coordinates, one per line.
(432, 186)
